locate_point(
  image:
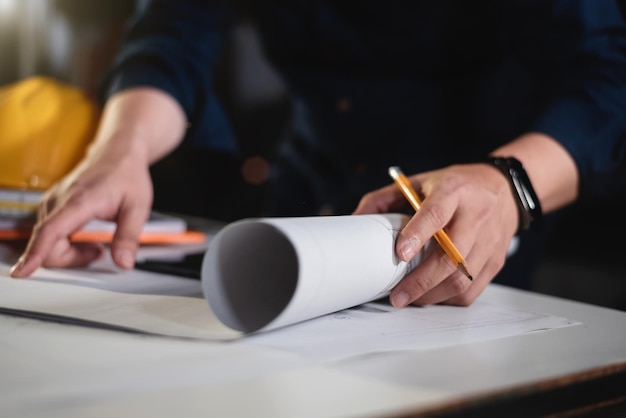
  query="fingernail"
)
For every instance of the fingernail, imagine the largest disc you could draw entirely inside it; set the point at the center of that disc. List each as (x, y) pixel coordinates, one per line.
(126, 259)
(16, 267)
(408, 249)
(400, 299)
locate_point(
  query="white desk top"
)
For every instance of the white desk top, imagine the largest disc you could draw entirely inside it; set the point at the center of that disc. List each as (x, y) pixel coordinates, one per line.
(56, 370)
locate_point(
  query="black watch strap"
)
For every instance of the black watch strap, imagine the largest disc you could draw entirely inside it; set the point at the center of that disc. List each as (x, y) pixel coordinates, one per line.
(525, 196)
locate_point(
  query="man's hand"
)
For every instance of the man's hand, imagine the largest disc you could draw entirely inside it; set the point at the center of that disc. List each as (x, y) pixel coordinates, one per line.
(475, 205)
(111, 183)
(112, 189)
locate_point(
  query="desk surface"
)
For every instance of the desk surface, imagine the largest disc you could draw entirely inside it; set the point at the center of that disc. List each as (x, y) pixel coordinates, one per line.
(56, 370)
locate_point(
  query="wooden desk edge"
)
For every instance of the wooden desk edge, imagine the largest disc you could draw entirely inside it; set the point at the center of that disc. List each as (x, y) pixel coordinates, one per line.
(567, 395)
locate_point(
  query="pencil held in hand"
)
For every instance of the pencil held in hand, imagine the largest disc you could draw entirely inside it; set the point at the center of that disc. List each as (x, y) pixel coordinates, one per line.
(440, 236)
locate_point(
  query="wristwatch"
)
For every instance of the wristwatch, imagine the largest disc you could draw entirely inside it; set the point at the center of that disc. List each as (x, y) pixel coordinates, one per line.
(527, 202)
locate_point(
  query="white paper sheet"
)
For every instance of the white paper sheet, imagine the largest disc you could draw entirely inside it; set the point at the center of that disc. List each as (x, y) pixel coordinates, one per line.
(103, 295)
(379, 327)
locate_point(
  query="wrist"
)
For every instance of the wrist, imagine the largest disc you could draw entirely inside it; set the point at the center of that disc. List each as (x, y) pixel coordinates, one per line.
(526, 199)
(142, 121)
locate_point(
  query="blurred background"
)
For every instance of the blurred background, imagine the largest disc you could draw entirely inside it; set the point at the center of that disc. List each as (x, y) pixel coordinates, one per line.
(70, 40)
(75, 41)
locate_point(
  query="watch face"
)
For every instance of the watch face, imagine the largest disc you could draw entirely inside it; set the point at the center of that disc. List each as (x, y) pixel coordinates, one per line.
(529, 197)
(521, 189)
(528, 204)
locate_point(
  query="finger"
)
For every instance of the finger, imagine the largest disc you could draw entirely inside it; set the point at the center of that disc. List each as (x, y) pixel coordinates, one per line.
(66, 254)
(457, 289)
(429, 273)
(380, 201)
(42, 210)
(431, 218)
(46, 234)
(46, 204)
(468, 297)
(126, 239)
(485, 275)
(457, 285)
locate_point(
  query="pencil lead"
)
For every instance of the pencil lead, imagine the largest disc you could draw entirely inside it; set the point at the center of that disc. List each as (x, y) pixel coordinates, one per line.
(463, 269)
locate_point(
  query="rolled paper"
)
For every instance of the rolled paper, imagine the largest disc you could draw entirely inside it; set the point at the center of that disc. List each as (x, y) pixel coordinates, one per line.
(264, 273)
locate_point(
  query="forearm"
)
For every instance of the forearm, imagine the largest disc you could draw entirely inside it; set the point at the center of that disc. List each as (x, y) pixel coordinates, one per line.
(551, 169)
(141, 122)
(574, 51)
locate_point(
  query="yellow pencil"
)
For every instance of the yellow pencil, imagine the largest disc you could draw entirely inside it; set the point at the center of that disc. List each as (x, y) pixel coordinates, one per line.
(441, 237)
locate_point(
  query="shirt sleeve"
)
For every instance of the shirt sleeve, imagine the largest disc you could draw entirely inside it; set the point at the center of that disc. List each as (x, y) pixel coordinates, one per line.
(175, 45)
(576, 50)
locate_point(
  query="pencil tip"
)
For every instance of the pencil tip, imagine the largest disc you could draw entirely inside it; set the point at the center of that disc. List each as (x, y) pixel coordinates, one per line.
(463, 269)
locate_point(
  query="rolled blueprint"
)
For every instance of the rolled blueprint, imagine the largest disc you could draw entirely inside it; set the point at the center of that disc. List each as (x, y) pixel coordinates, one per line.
(264, 273)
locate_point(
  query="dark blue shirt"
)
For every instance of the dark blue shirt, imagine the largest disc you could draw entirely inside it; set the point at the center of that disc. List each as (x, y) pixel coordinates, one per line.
(419, 84)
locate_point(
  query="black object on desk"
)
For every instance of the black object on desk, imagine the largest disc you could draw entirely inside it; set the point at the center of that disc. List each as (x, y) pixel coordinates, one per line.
(189, 266)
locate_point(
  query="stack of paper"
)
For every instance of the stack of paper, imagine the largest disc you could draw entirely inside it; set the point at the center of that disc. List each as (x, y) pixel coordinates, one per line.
(18, 209)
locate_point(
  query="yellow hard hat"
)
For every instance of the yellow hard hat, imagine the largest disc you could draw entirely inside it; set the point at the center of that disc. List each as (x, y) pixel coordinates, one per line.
(45, 127)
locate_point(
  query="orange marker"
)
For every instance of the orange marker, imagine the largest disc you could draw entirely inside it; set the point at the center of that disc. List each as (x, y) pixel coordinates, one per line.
(148, 238)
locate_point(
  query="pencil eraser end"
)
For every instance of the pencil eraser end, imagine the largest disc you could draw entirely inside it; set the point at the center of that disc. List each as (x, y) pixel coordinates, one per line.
(394, 171)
